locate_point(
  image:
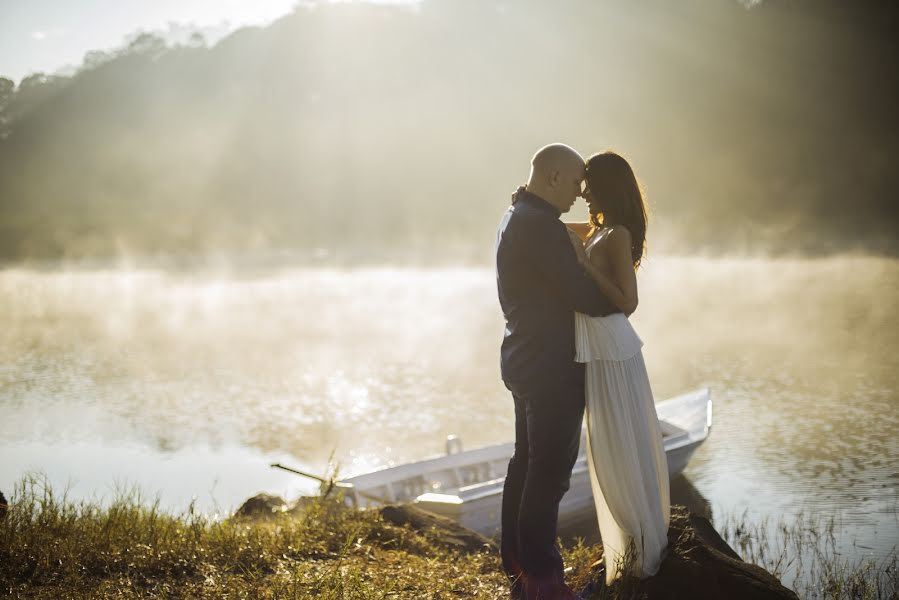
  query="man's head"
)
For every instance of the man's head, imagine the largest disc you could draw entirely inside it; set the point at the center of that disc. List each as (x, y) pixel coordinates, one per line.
(557, 172)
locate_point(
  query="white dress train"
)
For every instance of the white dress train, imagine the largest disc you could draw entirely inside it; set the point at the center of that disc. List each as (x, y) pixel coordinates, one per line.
(627, 463)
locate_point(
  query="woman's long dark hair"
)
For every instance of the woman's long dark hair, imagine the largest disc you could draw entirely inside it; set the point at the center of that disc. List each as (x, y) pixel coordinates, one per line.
(617, 199)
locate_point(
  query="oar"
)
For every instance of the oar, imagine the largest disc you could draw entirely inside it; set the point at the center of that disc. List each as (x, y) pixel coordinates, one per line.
(332, 483)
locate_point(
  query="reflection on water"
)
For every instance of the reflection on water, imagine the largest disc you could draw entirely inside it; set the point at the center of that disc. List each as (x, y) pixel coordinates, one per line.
(190, 384)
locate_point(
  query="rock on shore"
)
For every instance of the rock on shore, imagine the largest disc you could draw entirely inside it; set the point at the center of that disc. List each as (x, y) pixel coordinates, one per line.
(261, 506)
(437, 529)
(700, 565)
(440, 530)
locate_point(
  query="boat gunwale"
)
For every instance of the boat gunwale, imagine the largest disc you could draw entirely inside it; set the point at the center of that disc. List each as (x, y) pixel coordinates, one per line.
(471, 493)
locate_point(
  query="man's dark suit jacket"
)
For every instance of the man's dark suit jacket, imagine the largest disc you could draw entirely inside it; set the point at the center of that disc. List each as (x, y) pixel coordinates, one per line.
(541, 284)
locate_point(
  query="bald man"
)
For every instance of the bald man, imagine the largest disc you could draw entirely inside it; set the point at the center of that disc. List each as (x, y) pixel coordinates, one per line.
(541, 284)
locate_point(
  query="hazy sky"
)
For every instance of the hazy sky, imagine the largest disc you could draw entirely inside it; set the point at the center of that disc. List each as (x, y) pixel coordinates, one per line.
(46, 35)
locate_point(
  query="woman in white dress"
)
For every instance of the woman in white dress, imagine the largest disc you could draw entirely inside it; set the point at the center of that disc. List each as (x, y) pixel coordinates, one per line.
(628, 467)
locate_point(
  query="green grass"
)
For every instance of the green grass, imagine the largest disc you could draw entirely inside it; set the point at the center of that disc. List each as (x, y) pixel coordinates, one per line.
(51, 547)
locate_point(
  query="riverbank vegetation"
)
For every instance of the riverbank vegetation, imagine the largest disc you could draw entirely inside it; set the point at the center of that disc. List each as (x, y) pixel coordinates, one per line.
(805, 555)
(51, 547)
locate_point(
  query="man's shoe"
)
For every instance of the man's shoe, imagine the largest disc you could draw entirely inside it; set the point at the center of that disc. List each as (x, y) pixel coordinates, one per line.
(548, 587)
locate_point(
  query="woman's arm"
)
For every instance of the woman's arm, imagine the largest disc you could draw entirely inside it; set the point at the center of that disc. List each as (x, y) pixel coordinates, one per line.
(582, 230)
(621, 287)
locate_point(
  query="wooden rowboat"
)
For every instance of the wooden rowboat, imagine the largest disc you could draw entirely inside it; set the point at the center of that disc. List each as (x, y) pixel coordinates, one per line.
(467, 485)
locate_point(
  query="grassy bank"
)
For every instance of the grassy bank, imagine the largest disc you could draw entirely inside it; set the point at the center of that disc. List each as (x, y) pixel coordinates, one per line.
(53, 548)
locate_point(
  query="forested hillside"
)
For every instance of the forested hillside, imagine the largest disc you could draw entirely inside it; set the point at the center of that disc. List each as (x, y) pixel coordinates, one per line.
(770, 127)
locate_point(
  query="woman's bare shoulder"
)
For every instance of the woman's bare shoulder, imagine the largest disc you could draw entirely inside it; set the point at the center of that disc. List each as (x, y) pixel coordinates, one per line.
(619, 242)
(619, 234)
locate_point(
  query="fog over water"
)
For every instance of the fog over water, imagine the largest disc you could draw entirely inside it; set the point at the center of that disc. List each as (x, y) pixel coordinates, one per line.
(190, 383)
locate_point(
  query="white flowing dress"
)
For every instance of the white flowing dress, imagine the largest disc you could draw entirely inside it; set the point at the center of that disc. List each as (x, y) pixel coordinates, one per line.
(627, 463)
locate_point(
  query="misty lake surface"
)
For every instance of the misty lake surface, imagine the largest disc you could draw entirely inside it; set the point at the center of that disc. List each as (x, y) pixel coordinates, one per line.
(188, 384)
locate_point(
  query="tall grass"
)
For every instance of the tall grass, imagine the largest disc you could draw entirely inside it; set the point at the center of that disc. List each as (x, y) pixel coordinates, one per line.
(50, 547)
(803, 553)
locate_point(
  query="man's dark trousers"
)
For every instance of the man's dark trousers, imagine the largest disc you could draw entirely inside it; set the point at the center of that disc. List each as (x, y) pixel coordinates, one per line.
(548, 421)
(541, 285)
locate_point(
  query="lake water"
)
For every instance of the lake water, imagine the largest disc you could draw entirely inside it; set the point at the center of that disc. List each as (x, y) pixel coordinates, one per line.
(188, 384)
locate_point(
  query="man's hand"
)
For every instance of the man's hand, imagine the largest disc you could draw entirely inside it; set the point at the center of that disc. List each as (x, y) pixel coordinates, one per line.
(578, 247)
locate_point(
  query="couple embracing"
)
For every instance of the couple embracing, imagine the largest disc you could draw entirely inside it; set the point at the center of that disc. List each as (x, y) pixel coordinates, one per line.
(566, 291)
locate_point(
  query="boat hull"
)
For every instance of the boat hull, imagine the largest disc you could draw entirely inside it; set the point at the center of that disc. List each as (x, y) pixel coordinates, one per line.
(467, 486)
